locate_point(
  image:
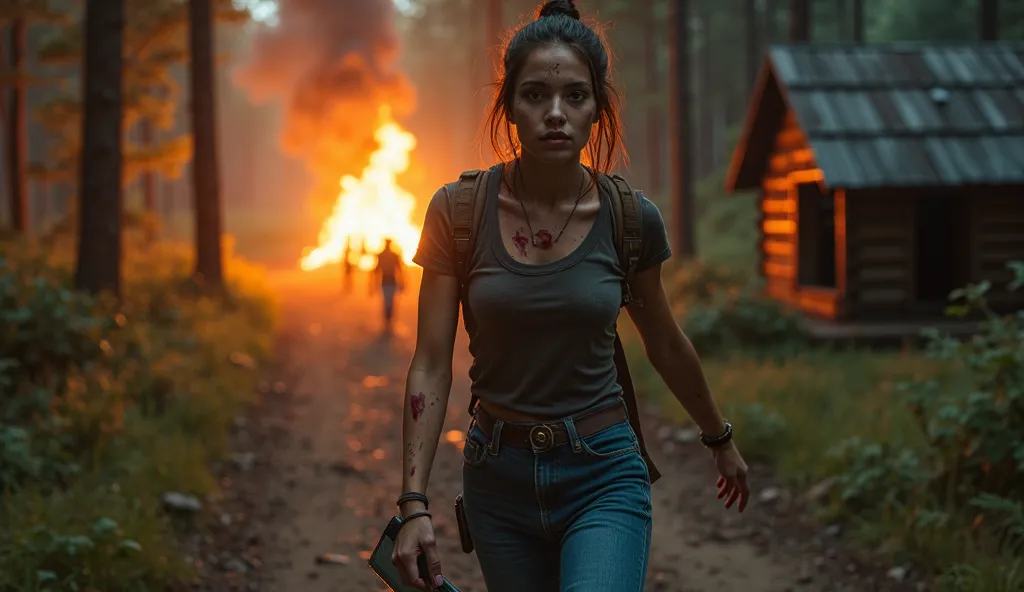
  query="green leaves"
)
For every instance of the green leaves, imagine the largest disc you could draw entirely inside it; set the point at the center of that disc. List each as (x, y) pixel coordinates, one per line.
(723, 314)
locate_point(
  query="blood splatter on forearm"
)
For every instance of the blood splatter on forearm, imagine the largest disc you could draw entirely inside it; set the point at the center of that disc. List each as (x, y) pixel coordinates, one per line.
(418, 403)
(423, 422)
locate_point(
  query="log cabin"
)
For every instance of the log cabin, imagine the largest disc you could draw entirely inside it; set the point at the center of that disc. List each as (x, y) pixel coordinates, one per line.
(887, 176)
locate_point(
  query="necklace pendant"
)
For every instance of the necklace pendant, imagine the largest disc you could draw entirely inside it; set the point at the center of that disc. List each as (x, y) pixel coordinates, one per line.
(542, 239)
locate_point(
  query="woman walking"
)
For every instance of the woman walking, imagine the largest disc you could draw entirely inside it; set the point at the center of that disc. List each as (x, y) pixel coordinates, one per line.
(557, 495)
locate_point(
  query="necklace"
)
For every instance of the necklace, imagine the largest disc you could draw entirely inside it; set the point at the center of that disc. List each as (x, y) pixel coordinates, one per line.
(542, 238)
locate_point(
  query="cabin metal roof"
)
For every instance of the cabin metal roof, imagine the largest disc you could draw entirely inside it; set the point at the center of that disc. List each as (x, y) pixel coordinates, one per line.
(899, 115)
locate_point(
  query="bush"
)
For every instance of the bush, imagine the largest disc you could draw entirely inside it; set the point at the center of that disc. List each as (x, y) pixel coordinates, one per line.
(723, 313)
(105, 405)
(921, 452)
(968, 478)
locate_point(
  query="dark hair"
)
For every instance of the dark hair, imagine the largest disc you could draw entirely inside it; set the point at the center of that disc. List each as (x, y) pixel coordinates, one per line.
(558, 21)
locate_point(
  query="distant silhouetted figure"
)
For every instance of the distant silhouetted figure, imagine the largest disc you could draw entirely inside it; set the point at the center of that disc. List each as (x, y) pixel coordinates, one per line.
(346, 268)
(389, 273)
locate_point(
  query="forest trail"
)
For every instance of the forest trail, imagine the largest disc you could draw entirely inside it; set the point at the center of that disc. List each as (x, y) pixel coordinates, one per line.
(324, 444)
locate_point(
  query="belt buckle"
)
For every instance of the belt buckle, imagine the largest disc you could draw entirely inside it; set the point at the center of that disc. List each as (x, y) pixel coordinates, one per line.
(542, 437)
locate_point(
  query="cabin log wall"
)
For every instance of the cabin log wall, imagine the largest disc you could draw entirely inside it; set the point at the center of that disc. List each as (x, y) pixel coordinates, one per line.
(777, 218)
(880, 255)
(997, 236)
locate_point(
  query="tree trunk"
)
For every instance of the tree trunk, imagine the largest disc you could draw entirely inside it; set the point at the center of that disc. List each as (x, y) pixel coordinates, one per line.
(799, 21)
(682, 226)
(655, 120)
(988, 20)
(17, 133)
(752, 42)
(205, 173)
(858, 21)
(99, 240)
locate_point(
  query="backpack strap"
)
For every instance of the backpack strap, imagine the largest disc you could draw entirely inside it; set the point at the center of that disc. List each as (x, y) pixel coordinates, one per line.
(629, 243)
(628, 233)
(466, 199)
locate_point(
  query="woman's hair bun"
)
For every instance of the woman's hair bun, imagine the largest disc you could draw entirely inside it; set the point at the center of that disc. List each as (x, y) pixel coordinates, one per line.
(559, 7)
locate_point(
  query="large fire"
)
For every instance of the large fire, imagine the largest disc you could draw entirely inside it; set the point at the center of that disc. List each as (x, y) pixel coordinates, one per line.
(371, 208)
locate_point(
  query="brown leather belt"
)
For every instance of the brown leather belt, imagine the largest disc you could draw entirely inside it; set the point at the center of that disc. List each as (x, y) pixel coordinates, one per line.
(541, 436)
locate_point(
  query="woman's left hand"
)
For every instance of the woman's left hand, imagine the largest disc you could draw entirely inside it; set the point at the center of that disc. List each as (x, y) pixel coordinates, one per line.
(732, 480)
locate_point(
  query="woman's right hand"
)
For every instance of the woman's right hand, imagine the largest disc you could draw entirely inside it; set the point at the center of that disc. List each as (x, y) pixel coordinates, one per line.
(416, 538)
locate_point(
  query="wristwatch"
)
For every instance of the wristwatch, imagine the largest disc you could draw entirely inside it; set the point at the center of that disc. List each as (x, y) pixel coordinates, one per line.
(713, 441)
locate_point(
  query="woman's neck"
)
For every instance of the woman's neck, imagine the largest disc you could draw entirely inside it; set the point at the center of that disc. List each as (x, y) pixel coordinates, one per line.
(547, 183)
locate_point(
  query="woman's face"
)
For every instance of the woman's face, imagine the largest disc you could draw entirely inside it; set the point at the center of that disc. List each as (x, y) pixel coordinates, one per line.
(554, 106)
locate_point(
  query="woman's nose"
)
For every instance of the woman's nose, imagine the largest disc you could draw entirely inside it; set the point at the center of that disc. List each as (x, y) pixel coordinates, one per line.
(556, 115)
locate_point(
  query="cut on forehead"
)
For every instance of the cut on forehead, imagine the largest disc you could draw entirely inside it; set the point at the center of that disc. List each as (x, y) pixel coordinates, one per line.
(555, 60)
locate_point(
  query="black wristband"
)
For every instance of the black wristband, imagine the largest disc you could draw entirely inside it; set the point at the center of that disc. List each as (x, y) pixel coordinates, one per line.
(413, 496)
(414, 516)
(711, 442)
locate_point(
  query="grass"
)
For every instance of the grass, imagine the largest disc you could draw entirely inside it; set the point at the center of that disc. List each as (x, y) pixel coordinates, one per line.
(147, 418)
(834, 417)
(792, 412)
(796, 414)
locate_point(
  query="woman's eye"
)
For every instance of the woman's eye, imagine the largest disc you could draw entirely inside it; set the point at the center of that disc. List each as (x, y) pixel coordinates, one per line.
(577, 96)
(534, 95)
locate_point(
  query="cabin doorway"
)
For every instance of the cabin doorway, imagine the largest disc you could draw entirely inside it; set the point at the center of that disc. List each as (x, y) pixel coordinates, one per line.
(942, 225)
(816, 236)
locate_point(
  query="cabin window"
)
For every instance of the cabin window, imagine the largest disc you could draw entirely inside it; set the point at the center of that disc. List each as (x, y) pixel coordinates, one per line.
(941, 244)
(816, 236)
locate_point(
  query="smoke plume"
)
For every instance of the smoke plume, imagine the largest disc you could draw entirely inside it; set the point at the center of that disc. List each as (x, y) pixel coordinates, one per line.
(332, 64)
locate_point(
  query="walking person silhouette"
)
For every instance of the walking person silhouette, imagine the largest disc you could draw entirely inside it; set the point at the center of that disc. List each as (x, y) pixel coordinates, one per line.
(388, 275)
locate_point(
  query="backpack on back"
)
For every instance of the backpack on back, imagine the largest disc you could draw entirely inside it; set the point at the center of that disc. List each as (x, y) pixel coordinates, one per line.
(466, 199)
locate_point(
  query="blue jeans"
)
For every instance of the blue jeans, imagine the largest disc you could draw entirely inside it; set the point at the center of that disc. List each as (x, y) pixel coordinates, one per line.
(573, 518)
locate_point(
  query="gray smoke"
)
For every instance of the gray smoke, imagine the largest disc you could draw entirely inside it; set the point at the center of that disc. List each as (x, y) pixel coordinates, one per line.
(332, 64)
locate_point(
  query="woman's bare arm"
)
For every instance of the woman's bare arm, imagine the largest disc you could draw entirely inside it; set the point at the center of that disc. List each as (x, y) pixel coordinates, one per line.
(671, 353)
(429, 381)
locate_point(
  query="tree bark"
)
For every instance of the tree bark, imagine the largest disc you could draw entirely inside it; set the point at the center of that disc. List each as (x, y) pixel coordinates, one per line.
(205, 173)
(17, 133)
(682, 226)
(988, 20)
(99, 241)
(799, 21)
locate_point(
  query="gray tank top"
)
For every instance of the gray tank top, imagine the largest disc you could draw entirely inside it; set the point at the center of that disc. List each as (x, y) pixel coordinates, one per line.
(541, 336)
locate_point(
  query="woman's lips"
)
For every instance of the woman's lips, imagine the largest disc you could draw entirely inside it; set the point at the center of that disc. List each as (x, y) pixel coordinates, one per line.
(557, 141)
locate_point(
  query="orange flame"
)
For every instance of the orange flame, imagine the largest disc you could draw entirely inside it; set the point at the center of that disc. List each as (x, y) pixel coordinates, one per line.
(371, 208)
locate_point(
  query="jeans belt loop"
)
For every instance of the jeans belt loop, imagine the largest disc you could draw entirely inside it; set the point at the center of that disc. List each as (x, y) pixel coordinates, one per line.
(494, 446)
(574, 437)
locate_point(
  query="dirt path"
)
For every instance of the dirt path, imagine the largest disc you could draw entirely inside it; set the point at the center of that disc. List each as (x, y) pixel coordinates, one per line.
(319, 469)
